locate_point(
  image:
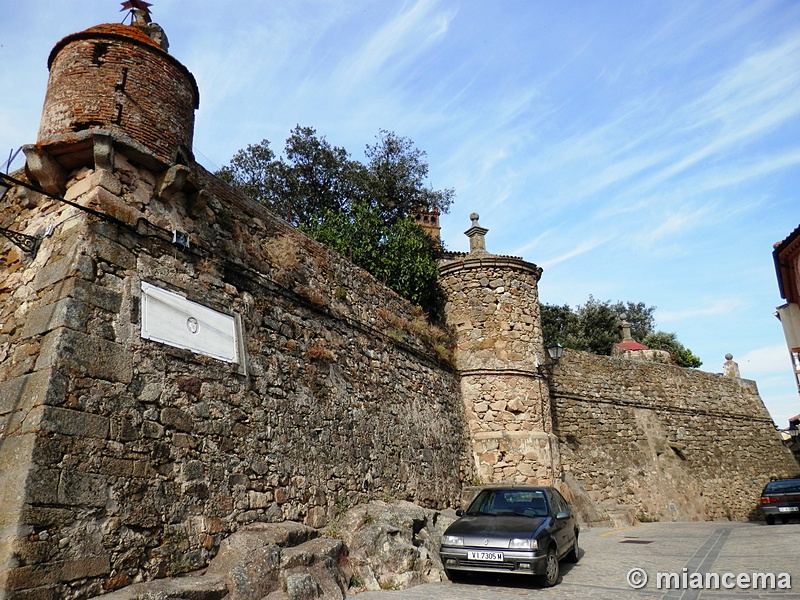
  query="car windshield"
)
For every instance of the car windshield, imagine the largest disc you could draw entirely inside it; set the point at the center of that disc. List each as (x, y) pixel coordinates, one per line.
(523, 503)
(779, 487)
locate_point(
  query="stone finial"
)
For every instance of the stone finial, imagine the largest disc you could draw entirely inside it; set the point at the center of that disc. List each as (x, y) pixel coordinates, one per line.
(141, 16)
(142, 20)
(626, 329)
(730, 368)
(476, 235)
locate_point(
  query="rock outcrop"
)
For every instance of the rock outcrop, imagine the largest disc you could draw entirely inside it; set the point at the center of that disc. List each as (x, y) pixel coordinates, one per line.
(393, 546)
(371, 547)
(264, 561)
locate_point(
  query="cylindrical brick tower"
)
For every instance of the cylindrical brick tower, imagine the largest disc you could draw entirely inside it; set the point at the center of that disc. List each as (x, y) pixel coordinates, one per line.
(117, 79)
(493, 305)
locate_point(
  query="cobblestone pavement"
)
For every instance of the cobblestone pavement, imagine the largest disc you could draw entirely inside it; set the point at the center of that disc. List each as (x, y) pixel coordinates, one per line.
(610, 554)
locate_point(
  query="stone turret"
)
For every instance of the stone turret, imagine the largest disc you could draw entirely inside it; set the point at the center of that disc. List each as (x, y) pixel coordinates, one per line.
(493, 305)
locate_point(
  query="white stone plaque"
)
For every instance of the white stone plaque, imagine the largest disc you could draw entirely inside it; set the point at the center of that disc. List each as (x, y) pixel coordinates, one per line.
(173, 320)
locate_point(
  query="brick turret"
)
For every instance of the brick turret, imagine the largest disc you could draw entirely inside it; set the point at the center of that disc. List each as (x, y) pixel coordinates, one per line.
(118, 81)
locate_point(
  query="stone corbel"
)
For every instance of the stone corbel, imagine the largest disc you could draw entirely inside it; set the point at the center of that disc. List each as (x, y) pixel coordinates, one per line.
(103, 146)
(45, 170)
(172, 181)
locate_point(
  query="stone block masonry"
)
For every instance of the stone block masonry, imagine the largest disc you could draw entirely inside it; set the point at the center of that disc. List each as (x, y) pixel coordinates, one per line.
(673, 444)
(116, 78)
(125, 459)
(493, 308)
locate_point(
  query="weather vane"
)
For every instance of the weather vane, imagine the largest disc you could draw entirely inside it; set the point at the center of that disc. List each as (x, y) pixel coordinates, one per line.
(138, 9)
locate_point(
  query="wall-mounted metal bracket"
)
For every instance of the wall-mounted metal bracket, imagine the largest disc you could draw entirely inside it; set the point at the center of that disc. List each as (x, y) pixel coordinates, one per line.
(27, 243)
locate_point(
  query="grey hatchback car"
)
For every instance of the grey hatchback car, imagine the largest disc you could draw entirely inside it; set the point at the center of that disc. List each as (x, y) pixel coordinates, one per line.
(781, 499)
(512, 529)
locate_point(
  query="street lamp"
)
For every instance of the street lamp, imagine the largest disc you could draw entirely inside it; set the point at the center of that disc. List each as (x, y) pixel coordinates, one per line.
(555, 351)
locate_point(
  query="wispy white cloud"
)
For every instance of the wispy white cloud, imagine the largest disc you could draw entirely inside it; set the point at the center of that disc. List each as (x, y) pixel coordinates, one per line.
(582, 248)
(762, 362)
(754, 97)
(716, 308)
(668, 221)
(644, 149)
(397, 43)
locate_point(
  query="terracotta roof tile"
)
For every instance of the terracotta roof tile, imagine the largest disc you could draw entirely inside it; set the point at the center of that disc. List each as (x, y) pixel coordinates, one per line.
(631, 345)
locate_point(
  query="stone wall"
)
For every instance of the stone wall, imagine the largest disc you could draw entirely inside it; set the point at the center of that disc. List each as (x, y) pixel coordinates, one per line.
(671, 443)
(123, 458)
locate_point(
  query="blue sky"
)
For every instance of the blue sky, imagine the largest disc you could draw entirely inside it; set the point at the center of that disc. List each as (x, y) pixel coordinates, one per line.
(645, 151)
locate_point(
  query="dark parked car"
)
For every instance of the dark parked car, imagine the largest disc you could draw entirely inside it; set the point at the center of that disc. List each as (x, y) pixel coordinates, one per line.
(512, 529)
(781, 498)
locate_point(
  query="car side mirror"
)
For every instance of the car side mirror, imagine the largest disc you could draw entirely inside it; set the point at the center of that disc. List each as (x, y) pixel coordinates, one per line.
(460, 512)
(562, 516)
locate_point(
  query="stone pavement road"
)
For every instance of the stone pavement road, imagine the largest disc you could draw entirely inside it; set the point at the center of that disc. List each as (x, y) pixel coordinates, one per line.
(609, 554)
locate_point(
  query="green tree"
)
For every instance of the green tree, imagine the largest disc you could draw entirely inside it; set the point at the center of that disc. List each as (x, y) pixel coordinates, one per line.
(310, 178)
(254, 171)
(682, 356)
(313, 177)
(395, 179)
(400, 254)
(598, 326)
(559, 324)
(594, 327)
(362, 210)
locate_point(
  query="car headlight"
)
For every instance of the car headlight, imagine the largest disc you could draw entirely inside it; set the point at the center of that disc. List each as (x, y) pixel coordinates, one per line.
(519, 544)
(453, 540)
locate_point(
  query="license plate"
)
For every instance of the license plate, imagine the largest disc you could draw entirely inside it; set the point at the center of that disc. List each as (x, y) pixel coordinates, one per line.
(788, 509)
(495, 556)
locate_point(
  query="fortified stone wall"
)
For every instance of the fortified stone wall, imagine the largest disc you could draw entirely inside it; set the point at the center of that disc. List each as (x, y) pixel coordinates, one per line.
(673, 443)
(123, 458)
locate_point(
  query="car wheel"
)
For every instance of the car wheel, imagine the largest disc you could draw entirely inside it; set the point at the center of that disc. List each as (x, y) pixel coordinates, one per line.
(574, 554)
(770, 520)
(550, 577)
(454, 576)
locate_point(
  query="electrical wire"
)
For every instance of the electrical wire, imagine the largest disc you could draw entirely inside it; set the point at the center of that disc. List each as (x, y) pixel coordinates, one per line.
(252, 275)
